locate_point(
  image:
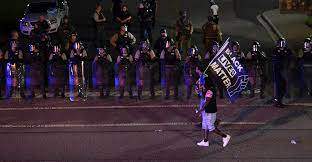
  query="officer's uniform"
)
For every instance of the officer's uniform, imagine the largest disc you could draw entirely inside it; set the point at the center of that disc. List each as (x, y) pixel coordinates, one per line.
(184, 29)
(14, 72)
(35, 72)
(211, 33)
(171, 58)
(2, 72)
(101, 70)
(190, 75)
(124, 70)
(145, 70)
(280, 60)
(77, 73)
(255, 62)
(145, 17)
(304, 62)
(118, 40)
(58, 72)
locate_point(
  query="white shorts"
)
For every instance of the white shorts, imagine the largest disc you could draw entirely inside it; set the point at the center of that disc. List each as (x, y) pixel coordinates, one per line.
(208, 120)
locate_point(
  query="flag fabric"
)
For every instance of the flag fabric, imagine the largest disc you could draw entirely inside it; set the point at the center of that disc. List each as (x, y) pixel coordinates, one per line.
(229, 71)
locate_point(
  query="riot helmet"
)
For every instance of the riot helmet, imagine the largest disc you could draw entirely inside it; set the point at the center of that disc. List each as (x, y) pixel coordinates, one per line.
(307, 44)
(193, 50)
(281, 43)
(255, 46)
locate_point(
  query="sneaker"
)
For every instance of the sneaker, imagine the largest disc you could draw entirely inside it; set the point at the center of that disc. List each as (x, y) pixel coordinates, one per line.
(203, 143)
(226, 140)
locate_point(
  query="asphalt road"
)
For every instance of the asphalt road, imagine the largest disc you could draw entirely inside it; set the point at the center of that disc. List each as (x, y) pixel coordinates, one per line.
(55, 130)
(158, 130)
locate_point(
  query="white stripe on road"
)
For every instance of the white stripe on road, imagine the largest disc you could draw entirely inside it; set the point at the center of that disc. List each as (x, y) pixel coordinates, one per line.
(117, 107)
(119, 125)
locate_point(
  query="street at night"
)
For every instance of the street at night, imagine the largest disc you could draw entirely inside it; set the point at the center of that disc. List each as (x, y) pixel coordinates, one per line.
(250, 89)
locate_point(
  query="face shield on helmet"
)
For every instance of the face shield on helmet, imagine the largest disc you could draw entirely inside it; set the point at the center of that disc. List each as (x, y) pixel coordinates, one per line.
(56, 49)
(77, 46)
(163, 33)
(145, 45)
(193, 51)
(101, 51)
(215, 47)
(32, 48)
(124, 51)
(13, 45)
(281, 43)
(307, 44)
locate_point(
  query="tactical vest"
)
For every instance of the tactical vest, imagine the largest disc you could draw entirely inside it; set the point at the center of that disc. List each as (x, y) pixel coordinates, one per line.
(170, 57)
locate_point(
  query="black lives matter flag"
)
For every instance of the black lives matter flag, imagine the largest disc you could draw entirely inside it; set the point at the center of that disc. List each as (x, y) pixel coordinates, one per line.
(229, 71)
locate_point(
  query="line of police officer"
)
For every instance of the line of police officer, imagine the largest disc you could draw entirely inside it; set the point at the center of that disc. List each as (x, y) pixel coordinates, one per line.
(25, 71)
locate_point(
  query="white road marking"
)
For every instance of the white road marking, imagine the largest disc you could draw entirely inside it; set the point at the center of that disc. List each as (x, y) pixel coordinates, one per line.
(118, 125)
(117, 107)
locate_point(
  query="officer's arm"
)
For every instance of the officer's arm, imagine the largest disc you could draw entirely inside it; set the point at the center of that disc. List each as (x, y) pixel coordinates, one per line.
(64, 56)
(109, 58)
(113, 40)
(6, 55)
(84, 53)
(131, 58)
(118, 60)
(133, 39)
(137, 55)
(178, 55)
(1, 55)
(152, 55)
(20, 54)
(192, 28)
(162, 54)
(50, 57)
(96, 58)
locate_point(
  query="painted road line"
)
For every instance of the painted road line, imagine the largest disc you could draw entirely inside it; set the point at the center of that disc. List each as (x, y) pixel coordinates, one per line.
(118, 125)
(117, 107)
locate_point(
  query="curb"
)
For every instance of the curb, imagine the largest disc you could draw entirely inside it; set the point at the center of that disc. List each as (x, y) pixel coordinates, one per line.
(271, 29)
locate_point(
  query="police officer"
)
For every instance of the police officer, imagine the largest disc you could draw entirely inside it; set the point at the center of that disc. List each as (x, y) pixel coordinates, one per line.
(58, 71)
(15, 70)
(305, 58)
(123, 38)
(160, 43)
(117, 4)
(77, 79)
(212, 33)
(184, 31)
(124, 18)
(152, 6)
(99, 22)
(145, 58)
(171, 58)
(35, 71)
(255, 61)
(214, 10)
(43, 24)
(2, 72)
(280, 59)
(145, 17)
(124, 64)
(211, 53)
(65, 30)
(192, 61)
(207, 59)
(101, 70)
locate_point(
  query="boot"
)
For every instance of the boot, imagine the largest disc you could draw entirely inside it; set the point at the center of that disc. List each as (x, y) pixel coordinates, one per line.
(121, 93)
(140, 89)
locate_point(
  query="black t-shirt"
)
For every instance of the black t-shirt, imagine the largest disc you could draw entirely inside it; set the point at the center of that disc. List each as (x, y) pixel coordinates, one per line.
(211, 107)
